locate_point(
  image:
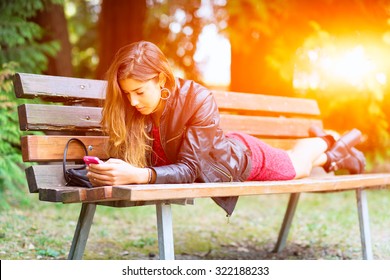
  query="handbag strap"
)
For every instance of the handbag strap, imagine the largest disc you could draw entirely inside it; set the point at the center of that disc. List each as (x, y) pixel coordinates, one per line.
(66, 153)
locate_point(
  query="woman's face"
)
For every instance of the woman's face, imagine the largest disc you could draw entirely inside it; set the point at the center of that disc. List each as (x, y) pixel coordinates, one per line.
(144, 96)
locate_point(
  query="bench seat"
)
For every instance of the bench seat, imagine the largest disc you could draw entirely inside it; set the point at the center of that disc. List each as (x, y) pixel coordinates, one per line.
(45, 177)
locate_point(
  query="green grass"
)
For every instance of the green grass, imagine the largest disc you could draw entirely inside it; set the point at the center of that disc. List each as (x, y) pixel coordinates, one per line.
(325, 227)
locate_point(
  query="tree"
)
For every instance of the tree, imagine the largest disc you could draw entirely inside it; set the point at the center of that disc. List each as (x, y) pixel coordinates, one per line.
(120, 23)
(52, 20)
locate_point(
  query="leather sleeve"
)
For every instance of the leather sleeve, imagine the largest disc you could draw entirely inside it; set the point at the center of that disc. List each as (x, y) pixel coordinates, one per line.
(197, 141)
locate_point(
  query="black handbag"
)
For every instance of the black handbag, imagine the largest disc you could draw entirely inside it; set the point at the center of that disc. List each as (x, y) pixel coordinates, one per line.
(75, 176)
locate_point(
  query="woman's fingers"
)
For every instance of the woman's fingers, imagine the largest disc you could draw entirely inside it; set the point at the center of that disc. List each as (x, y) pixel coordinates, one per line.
(104, 178)
(115, 160)
(112, 172)
(100, 168)
(99, 180)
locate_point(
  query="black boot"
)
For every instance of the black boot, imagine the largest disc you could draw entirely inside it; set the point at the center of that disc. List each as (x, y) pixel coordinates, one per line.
(342, 154)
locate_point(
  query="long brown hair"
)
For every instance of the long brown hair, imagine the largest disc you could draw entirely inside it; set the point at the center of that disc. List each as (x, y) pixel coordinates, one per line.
(124, 125)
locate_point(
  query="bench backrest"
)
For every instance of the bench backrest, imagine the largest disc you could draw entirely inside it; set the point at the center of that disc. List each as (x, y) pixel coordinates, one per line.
(72, 107)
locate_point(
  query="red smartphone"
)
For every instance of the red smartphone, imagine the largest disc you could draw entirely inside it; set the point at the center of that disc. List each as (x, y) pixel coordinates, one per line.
(90, 159)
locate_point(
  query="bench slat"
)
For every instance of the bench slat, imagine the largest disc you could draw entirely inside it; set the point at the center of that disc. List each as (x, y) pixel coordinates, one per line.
(51, 148)
(201, 190)
(51, 186)
(43, 148)
(57, 88)
(50, 177)
(87, 119)
(268, 126)
(59, 118)
(265, 103)
(48, 180)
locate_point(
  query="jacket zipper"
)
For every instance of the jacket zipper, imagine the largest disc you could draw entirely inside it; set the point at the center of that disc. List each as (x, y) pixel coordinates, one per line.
(177, 136)
(221, 171)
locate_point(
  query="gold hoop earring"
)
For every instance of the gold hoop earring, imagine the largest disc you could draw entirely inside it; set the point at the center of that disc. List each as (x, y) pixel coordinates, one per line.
(166, 90)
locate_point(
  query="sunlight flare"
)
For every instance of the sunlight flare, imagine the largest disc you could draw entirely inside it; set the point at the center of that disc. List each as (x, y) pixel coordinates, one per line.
(318, 68)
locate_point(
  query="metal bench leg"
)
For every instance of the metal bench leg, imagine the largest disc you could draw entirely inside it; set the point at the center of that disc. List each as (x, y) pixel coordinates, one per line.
(82, 231)
(364, 223)
(165, 231)
(288, 217)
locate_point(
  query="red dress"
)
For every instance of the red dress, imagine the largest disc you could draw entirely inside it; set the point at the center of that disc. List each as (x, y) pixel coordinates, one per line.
(268, 163)
(158, 155)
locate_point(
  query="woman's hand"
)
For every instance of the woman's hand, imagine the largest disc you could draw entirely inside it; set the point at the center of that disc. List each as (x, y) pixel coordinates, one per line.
(116, 172)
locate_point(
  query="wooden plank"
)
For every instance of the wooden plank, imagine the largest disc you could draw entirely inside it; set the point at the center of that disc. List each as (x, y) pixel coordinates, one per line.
(77, 118)
(51, 147)
(41, 177)
(285, 144)
(59, 118)
(58, 88)
(55, 194)
(49, 182)
(265, 103)
(268, 126)
(43, 148)
(144, 192)
(200, 190)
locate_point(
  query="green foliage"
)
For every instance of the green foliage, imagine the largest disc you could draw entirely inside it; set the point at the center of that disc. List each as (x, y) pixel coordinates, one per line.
(12, 178)
(20, 51)
(19, 36)
(82, 17)
(142, 242)
(48, 253)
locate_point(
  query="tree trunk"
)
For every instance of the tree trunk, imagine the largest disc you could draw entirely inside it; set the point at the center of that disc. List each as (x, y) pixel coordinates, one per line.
(120, 23)
(53, 20)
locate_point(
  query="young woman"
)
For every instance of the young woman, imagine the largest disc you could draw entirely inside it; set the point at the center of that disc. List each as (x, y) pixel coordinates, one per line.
(164, 129)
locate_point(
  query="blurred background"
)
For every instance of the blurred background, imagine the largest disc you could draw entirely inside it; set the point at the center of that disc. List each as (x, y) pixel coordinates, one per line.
(335, 51)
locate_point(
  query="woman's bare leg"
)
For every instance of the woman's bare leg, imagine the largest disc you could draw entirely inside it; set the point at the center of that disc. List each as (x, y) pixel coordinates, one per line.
(306, 154)
(321, 160)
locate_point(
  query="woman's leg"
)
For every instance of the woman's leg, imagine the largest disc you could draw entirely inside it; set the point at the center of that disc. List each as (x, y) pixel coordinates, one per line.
(333, 156)
(306, 154)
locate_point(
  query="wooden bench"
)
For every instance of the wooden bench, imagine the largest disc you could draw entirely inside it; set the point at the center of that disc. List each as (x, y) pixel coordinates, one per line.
(71, 107)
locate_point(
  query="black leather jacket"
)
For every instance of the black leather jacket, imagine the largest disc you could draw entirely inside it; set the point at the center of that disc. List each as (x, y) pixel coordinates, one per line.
(193, 140)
